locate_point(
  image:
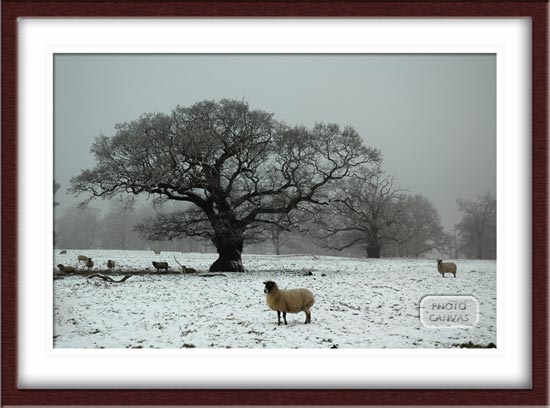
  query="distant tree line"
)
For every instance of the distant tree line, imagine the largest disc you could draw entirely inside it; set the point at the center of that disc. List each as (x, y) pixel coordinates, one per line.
(222, 173)
(417, 231)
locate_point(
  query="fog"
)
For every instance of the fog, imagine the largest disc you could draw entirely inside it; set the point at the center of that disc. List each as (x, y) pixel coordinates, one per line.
(432, 116)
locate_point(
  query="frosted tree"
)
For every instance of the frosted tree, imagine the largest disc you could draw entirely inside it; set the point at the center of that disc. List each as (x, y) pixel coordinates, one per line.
(238, 168)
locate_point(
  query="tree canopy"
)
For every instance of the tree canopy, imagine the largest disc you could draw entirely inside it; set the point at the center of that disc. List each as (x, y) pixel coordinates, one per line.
(238, 168)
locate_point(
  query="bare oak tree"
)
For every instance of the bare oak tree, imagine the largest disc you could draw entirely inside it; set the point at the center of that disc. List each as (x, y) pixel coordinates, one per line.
(239, 168)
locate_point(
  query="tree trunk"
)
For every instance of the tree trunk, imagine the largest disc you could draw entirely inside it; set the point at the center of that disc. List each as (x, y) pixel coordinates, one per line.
(373, 250)
(229, 243)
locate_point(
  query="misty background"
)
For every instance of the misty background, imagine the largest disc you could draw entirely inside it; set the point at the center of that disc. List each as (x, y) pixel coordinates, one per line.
(433, 117)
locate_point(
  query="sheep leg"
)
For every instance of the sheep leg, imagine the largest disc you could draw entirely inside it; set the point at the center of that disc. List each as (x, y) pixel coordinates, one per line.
(308, 317)
(278, 317)
(284, 317)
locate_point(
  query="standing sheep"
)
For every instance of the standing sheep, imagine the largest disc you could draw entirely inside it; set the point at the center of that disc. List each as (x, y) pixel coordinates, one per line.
(288, 301)
(110, 264)
(446, 267)
(89, 263)
(82, 258)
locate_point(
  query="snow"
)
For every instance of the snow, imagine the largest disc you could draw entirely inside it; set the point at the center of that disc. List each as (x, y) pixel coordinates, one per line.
(360, 303)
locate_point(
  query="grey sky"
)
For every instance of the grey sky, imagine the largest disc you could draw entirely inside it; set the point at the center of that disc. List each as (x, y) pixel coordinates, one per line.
(432, 116)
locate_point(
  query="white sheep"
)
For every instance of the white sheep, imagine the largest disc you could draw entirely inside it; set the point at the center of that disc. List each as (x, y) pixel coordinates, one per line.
(110, 264)
(446, 267)
(288, 301)
(66, 269)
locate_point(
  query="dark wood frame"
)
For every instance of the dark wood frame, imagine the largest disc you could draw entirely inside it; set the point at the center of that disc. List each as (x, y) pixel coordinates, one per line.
(537, 11)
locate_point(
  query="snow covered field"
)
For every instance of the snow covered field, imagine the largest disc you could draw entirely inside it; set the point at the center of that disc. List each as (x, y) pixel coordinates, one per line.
(360, 303)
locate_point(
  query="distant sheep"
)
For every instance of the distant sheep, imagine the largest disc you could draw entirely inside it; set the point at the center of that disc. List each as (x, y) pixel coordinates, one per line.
(446, 267)
(288, 301)
(156, 252)
(185, 269)
(63, 252)
(89, 263)
(110, 264)
(66, 269)
(82, 258)
(161, 265)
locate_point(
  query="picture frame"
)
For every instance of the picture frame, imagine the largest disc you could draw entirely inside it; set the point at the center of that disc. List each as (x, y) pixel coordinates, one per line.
(536, 11)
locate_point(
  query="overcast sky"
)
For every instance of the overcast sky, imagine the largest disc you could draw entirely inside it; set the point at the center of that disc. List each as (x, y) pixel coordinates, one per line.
(432, 116)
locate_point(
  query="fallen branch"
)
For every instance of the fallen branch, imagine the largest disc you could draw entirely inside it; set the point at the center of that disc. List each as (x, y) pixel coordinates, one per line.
(208, 275)
(185, 269)
(108, 278)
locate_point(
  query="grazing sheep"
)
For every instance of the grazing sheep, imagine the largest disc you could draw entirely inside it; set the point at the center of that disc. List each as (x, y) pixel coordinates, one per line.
(110, 264)
(161, 265)
(82, 258)
(63, 252)
(288, 301)
(66, 269)
(89, 263)
(446, 267)
(156, 252)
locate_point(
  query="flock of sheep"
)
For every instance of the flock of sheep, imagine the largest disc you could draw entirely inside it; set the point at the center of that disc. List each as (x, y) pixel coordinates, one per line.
(82, 258)
(282, 301)
(111, 264)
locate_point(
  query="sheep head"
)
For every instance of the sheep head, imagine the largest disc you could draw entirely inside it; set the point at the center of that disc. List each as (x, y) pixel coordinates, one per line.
(269, 286)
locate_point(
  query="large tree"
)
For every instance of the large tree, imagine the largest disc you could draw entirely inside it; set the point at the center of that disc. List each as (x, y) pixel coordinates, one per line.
(478, 227)
(239, 168)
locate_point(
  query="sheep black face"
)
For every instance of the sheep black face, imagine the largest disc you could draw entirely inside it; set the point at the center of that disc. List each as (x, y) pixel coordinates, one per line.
(268, 286)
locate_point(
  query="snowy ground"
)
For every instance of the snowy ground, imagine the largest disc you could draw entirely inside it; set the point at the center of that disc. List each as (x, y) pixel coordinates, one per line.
(360, 303)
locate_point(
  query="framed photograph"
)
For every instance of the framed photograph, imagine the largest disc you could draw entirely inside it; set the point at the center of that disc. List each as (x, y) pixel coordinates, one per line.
(281, 203)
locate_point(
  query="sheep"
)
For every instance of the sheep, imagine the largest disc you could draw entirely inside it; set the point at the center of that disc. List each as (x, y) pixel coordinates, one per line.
(63, 252)
(185, 269)
(288, 301)
(82, 258)
(446, 267)
(66, 269)
(89, 263)
(161, 265)
(110, 264)
(156, 252)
